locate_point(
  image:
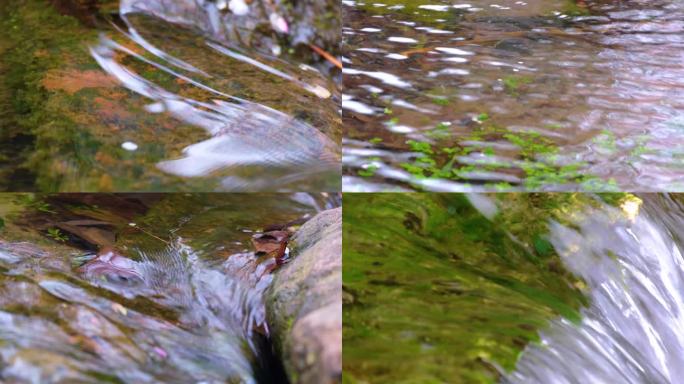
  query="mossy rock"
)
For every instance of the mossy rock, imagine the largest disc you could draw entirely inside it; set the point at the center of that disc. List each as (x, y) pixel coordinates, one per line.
(304, 303)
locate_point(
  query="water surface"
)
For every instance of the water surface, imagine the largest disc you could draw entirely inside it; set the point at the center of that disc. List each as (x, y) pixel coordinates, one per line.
(632, 331)
(139, 288)
(525, 95)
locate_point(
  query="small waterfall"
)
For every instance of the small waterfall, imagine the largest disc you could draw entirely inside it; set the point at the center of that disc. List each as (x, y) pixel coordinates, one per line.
(634, 271)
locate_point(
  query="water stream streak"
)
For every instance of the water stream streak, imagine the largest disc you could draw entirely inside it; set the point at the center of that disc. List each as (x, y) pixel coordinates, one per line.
(632, 331)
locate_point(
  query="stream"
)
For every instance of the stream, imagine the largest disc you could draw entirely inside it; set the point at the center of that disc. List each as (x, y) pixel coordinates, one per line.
(631, 332)
(140, 288)
(518, 95)
(161, 95)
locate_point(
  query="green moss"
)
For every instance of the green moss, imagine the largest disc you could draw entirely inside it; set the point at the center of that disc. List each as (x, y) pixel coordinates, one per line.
(573, 9)
(369, 171)
(77, 117)
(34, 50)
(513, 83)
(537, 155)
(445, 291)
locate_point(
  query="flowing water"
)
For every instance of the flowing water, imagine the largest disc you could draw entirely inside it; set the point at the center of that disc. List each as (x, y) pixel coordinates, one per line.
(170, 292)
(631, 332)
(170, 95)
(513, 95)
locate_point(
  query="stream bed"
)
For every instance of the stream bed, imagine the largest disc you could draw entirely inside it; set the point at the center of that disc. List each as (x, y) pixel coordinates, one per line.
(142, 288)
(529, 95)
(161, 95)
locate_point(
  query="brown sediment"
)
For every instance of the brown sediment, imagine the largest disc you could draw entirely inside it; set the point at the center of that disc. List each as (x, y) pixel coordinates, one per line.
(112, 111)
(73, 81)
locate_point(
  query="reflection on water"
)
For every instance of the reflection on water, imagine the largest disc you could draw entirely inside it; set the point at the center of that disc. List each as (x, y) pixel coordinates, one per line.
(537, 95)
(632, 331)
(176, 298)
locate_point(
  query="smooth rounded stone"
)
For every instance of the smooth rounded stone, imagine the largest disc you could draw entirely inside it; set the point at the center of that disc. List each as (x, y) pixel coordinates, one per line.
(304, 303)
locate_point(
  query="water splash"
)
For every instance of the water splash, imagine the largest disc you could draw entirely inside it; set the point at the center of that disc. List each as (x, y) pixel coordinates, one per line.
(184, 320)
(634, 270)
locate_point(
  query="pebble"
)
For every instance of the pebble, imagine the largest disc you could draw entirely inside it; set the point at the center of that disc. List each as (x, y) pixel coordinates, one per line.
(129, 146)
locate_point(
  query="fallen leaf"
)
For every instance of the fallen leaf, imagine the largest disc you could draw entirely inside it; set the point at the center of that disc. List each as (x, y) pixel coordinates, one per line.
(271, 243)
(118, 308)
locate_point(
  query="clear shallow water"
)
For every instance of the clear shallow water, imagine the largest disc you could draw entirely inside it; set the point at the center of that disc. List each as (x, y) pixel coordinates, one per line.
(631, 332)
(252, 146)
(167, 96)
(141, 311)
(537, 95)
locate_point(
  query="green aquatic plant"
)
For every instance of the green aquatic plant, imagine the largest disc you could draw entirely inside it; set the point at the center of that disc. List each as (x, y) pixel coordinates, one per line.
(392, 122)
(419, 146)
(369, 171)
(57, 235)
(537, 160)
(606, 140)
(512, 83)
(34, 201)
(443, 101)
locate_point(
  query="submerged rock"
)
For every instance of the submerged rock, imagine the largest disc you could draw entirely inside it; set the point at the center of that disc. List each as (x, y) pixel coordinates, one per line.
(304, 302)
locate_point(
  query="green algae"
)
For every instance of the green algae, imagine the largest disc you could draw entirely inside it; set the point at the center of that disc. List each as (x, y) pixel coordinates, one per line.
(513, 83)
(536, 159)
(435, 292)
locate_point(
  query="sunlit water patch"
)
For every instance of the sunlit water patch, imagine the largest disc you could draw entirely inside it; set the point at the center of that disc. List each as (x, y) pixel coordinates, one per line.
(532, 95)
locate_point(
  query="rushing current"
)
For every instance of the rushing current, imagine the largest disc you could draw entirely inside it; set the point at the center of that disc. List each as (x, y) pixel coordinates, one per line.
(515, 95)
(139, 310)
(211, 341)
(632, 330)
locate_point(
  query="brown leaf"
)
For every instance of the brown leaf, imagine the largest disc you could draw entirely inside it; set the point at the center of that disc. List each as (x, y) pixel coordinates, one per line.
(271, 243)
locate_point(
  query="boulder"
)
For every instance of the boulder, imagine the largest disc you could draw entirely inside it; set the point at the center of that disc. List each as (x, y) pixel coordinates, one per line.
(304, 303)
